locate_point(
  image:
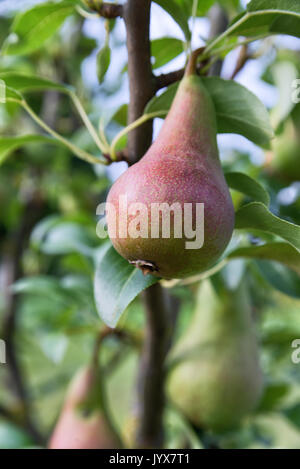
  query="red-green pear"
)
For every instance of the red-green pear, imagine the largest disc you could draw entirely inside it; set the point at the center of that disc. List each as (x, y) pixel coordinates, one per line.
(181, 167)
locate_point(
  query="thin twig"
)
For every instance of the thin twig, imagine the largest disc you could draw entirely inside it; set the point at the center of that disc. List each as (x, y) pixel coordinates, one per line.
(96, 363)
(151, 378)
(108, 332)
(241, 61)
(166, 79)
(218, 24)
(129, 128)
(85, 119)
(76, 150)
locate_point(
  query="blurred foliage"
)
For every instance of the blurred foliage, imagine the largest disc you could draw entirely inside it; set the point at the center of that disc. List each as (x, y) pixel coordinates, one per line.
(57, 314)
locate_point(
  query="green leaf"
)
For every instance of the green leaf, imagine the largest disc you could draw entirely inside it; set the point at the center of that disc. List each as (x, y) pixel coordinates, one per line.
(179, 14)
(11, 94)
(280, 277)
(12, 437)
(23, 82)
(120, 116)
(230, 5)
(284, 6)
(43, 285)
(248, 186)
(238, 110)
(9, 144)
(204, 6)
(293, 414)
(163, 101)
(165, 49)
(116, 285)
(54, 345)
(273, 396)
(42, 228)
(53, 304)
(33, 27)
(67, 237)
(4, 28)
(103, 61)
(67, 294)
(269, 17)
(280, 252)
(256, 216)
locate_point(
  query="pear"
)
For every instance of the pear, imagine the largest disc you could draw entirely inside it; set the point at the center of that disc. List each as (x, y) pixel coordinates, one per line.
(181, 167)
(283, 160)
(82, 423)
(216, 379)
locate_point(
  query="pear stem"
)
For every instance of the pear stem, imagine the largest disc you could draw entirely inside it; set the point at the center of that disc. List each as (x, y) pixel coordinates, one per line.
(191, 68)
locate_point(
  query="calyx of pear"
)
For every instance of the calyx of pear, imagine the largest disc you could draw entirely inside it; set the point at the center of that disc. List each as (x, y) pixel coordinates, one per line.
(82, 423)
(217, 380)
(181, 167)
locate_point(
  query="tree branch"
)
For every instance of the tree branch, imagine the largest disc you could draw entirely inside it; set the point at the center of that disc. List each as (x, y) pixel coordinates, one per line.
(105, 9)
(241, 61)
(166, 79)
(136, 14)
(150, 390)
(151, 402)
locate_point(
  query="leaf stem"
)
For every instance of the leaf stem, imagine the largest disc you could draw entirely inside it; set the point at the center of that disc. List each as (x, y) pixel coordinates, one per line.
(86, 14)
(233, 46)
(192, 63)
(242, 20)
(133, 125)
(101, 130)
(194, 13)
(85, 119)
(77, 151)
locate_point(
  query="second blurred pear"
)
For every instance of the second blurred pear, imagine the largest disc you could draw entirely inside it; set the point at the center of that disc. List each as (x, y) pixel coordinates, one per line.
(217, 380)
